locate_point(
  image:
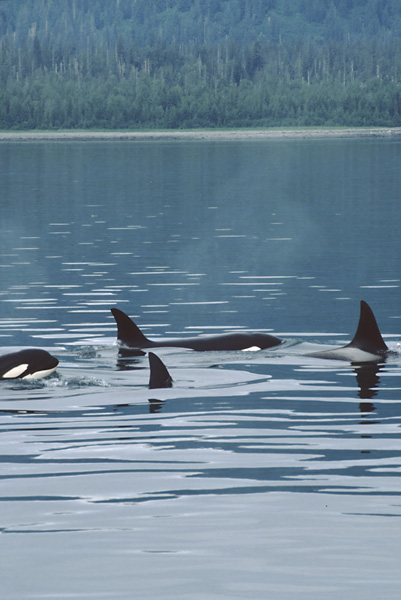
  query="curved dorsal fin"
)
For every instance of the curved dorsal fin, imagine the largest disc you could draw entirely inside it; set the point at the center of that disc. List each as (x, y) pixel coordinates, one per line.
(128, 334)
(368, 336)
(159, 376)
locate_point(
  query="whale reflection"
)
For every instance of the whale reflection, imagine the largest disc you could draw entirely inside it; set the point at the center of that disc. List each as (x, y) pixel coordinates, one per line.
(128, 363)
(155, 405)
(367, 379)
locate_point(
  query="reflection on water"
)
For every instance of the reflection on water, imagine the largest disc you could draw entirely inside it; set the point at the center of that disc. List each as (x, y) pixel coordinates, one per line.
(155, 405)
(367, 379)
(257, 473)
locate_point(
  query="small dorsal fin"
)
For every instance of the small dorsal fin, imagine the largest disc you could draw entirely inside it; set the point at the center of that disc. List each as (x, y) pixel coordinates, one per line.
(368, 336)
(159, 376)
(128, 334)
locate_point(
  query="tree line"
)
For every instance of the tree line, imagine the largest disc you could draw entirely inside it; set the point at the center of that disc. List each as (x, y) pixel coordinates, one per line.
(100, 75)
(226, 85)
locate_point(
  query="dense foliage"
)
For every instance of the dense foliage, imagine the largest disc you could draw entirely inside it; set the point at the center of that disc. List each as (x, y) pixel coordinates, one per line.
(199, 63)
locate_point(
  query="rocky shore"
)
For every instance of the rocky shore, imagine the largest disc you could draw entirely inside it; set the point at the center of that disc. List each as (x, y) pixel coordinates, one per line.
(208, 135)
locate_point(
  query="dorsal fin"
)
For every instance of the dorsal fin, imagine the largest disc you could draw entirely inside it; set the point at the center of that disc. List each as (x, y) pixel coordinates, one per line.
(159, 376)
(368, 336)
(128, 334)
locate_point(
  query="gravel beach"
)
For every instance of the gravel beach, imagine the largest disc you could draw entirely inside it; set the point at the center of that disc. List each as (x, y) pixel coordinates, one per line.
(208, 135)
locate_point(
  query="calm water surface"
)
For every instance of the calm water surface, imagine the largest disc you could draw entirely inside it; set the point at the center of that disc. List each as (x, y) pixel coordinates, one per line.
(259, 475)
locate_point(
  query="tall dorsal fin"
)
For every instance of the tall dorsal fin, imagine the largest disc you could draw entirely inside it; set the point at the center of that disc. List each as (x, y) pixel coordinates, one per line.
(129, 334)
(159, 376)
(368, 336)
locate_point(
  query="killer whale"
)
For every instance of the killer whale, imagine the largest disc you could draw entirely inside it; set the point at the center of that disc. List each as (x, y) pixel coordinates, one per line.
(159, 375)
(32, 363)
(367, 345)
(130, 336)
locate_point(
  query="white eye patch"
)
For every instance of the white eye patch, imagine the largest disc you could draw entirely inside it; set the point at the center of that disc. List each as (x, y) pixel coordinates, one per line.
(15, 371)
(251, 349)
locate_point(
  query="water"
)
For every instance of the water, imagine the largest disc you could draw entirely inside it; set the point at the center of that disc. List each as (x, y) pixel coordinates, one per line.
(259, 474)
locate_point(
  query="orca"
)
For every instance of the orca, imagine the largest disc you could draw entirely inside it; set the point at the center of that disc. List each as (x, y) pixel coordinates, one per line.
(27, 364)
(130, 336)
(159, 375)
(367, 344)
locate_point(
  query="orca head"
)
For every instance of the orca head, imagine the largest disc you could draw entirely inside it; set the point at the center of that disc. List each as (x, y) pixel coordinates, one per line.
(33, 363)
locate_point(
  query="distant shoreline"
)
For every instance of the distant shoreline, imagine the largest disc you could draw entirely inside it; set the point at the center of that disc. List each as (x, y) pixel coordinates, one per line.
(207, 135)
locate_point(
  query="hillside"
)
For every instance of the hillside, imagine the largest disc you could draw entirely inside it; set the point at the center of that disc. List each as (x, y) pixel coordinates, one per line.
(199, 63)
(199, 21)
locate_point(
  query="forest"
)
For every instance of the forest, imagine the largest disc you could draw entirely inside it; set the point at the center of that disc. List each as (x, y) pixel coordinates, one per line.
(135, 64)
